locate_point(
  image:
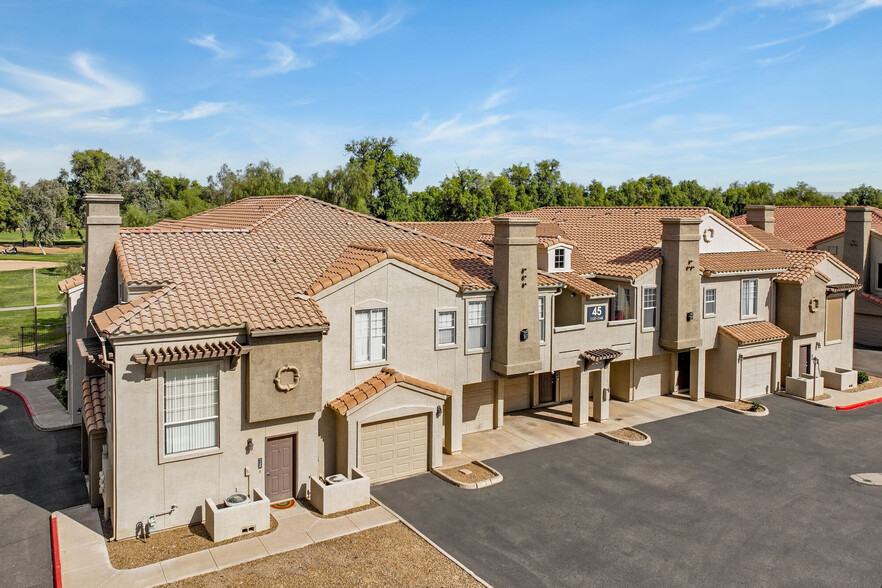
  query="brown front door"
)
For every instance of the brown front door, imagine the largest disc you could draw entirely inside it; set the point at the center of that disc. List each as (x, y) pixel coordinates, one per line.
(280, 468)
(683, 368)
(546, 387)
(805, 359)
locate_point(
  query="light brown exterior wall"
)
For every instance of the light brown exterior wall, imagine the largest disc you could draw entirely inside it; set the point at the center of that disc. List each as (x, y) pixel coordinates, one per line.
(681, 285)
(269, 355)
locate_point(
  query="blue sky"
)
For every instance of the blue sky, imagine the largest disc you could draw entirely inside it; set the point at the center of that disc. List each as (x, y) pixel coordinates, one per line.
(778, 90)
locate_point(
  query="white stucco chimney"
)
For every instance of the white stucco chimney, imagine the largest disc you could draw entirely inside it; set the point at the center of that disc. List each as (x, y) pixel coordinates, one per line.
(102, 232)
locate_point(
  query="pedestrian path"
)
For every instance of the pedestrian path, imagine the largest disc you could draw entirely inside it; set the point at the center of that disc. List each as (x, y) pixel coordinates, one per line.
(85, 562)
(47, 413)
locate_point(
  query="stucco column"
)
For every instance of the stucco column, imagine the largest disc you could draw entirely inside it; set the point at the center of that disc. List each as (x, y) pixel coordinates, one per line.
(498, 403)
(580, 397)
(601, 396)
(696, 374)
(453, 430)
(534, 390)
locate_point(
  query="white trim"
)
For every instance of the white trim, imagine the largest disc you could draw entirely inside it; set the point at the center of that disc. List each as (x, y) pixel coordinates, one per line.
(704, 312)
(643, 327)
(755, 314)
(440, 346)
(368, 306)
(164, 457)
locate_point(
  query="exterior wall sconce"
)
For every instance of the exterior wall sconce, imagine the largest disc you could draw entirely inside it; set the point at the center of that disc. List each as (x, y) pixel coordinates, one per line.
(690, 316)
(817, 344)
(439, 410)
(525, 334)
(249, 446)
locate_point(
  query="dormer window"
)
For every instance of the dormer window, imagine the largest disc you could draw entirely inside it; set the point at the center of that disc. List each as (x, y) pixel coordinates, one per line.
(559, 258)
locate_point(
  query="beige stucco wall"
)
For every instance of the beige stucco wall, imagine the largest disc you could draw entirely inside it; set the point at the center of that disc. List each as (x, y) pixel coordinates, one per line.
(302, 352)
(722, 374)
(729, 304)
(76, 365)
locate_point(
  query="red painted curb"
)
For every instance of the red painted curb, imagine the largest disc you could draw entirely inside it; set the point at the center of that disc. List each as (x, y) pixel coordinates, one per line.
(56, 556)
(859, 404)
(23, 399)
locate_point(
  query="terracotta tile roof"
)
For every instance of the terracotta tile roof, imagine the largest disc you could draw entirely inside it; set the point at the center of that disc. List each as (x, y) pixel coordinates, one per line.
(67, 284)
(376, 384)
(756, 332)
(872, 298)
(811, 258)
(838, 288)
(807, 225)
(584, 286)
(598, 355)
(94, 403)
(798, 275)
(471, 234)
(257, 260)
(768, 239)
(743, 261)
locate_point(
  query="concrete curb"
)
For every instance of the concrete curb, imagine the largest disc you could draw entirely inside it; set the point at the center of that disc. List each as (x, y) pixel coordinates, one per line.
(497, 478)
(435, 545)
(805, 400)
(748, 412)
(859, 404)
(642, 443)
(56, 555)
(31, 413)
(867, 479)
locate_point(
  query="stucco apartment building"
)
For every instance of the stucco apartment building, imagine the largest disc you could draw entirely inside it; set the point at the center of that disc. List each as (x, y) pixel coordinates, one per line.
(851, 233)
(277, 338)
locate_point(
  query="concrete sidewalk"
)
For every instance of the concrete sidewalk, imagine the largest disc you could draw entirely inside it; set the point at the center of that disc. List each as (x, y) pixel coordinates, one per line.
(839, 398)
(85, 562)
(47, 413)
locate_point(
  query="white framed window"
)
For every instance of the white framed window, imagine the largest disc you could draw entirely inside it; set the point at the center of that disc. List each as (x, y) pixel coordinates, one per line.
(650, 307)
(477, 317)
(190, 409)
(369, 335)
(621, 306)
(542, 319)
(749, 297)
(710, 301)
(560, 259)
(446, 320)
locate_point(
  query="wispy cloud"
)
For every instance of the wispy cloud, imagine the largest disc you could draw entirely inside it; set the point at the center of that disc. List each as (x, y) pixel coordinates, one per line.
(714, 22)
(662, 92)
(40, 95)
(282, 60)
(200, 110)
(331, 24)
(454, 129)
(765, 133)
(830, 12)
(495, 99)
(769, 61)
(211, 43)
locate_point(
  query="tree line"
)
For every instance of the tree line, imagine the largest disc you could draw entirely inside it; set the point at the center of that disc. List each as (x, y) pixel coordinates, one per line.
(375, 180)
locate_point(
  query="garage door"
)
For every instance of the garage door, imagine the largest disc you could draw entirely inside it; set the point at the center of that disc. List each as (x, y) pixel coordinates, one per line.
(652, 376)
(756, 376)
(517, 394)
(565, 385)
(477, 407)
(395, 448)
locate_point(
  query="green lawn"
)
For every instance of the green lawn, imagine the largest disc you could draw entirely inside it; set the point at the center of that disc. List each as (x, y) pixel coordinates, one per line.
(50, 327)
(59, 257)
(71, 237)
(16, 288)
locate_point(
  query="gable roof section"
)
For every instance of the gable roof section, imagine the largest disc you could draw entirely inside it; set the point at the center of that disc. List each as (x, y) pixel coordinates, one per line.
(804, 258)
(584, 286)
(807, 225)
(744, 261)
(768, 239)
(376, 384)
(68, 284)
(94, 391)
(756, 332)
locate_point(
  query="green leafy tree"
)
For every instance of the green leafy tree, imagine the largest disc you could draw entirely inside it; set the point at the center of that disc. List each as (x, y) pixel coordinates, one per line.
(802, 195)
(391, 173)
(10, 200)
(43, 206)
(863, 195)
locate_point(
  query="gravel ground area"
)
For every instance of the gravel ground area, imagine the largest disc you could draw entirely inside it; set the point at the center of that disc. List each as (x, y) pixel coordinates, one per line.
(308, 506)
(745, 406)
(41, 371)
(627, 435)
(873, 382)
(470, 472)
(134, 553)
(391, 555)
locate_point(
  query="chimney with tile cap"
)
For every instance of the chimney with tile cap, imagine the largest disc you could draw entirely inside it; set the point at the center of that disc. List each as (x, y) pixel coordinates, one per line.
(762, 216)
(856, 241)
(515, 345)
(681, 284)
(102, 232)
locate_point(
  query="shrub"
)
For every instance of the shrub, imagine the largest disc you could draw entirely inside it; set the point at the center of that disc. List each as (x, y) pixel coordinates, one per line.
(58, 359)
(61, 388)
(863, 377)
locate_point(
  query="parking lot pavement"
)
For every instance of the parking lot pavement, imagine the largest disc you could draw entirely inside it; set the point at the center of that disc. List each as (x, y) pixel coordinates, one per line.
(868, 359)
(39, 473)
(717, 499)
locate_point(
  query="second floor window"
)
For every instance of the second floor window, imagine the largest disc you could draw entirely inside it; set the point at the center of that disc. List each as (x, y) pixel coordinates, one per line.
(749, 298)
(477, 325)
(560, 259)
(710, 302)
(622, 306)
(190, 409)
(542, 319)
(650, 307)
(370, 335)
(446, 327)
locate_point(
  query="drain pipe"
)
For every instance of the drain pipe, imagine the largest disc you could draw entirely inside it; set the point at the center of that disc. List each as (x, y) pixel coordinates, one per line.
(815, 363)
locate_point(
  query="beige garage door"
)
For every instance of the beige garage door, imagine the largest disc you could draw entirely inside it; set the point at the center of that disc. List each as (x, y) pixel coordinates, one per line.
(517, 394)
(395, 448)
(756, 376)
(565, 385)
(652, 376)
(477, 407)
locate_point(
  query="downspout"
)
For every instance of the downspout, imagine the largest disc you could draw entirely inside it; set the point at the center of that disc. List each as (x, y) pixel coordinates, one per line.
(111, 373)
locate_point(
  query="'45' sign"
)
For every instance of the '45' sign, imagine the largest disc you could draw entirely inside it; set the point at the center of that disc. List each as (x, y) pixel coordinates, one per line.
(596, 313)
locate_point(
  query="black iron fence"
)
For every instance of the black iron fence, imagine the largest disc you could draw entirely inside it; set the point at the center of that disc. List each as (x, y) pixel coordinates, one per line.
(41, 338)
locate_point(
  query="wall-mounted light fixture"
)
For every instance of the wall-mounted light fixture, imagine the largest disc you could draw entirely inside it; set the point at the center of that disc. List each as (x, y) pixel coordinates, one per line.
(249, 445)
(439, 410)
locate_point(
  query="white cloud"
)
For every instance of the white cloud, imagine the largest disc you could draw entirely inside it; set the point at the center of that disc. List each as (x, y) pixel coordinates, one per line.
(765, 133)
(714, 22)
(452, 129)
(830, 12)
(282, 60)
(44, 96)
(495, 99)
(211, 43)
(769, 61)
(333, 25)
(200, 110)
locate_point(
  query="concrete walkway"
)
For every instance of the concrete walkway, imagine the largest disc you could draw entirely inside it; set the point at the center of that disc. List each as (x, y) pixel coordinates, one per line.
(539, 427)
(47, 413)
(85, 562)
(841, 399)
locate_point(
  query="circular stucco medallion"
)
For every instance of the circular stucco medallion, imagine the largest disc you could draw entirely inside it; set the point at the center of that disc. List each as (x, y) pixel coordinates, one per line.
(708, 234)
(282, 385)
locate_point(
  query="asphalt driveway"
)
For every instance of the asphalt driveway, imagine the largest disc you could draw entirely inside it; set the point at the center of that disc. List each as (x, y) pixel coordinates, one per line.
(39, 473)
(716, 499)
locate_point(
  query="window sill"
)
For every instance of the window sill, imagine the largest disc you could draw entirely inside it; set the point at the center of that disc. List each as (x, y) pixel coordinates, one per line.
(568, 328)
(623, 322)
(190, 455)
(476, 351)
(710, 315)
(649, 330)
(369, 364)
(746, 317)
(447, 346)
(834, 342)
